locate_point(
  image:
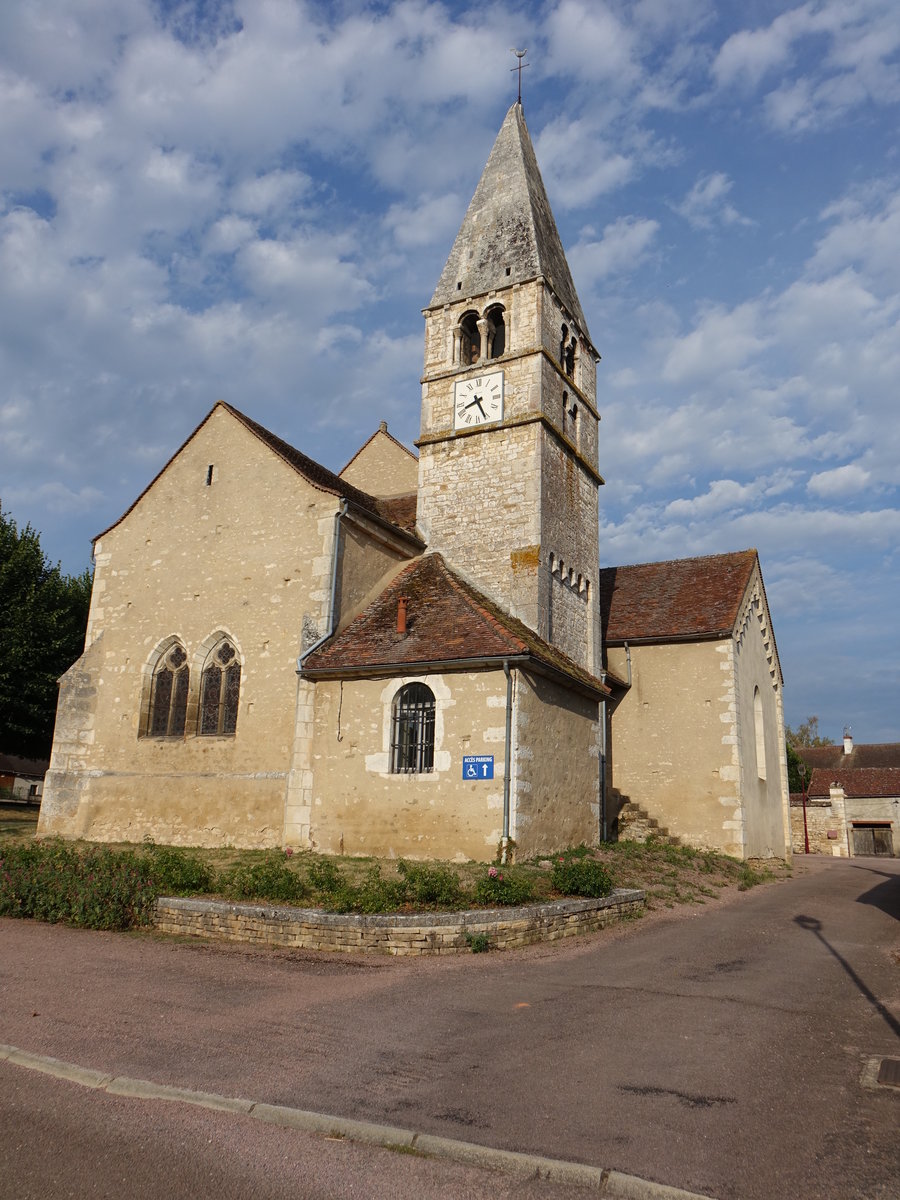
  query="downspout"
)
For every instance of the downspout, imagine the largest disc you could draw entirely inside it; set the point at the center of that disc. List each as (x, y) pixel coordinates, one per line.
(507, 756)
(604, 830)
(335, 558)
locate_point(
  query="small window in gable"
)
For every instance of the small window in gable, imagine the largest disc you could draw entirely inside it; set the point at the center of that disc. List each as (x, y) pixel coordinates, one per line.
(496, 331)
(169, 687)
(220, 687)
(412, 730)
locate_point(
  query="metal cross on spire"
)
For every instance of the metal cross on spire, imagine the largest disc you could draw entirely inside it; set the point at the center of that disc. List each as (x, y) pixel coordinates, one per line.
(520, 66)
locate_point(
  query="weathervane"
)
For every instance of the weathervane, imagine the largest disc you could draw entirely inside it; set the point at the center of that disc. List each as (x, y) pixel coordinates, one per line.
(520, 54)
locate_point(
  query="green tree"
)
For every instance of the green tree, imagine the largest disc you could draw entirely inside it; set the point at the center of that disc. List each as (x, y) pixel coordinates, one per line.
(43, 618)
(795, 781)
(806, 734)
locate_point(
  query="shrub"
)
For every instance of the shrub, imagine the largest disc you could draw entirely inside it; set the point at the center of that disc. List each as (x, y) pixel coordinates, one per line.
(97, 888)
(503, 888)
(326, 876)
(580, 877)
(175, 872)
(478, 943)
(268, 879)
(374, 895)
(429, 886)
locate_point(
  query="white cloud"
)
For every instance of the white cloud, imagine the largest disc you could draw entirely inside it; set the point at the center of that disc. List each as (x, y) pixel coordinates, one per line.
(707, 204)
(721, 341)
(840, 481)
(433, 220)
(622, 248)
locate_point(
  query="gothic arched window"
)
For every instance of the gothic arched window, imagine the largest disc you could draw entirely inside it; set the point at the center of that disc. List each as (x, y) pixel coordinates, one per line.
(496, 331)
(412, 730)
(169, 687)
(220, 687)
(469, 339)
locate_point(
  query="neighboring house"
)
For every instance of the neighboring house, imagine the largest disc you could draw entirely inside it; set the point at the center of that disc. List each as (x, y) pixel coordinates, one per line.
(852, 801)
(407, 658)
(22, 778)
(697, 736)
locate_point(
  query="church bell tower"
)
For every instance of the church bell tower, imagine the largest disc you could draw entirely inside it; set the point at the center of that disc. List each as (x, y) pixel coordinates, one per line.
(508, 475)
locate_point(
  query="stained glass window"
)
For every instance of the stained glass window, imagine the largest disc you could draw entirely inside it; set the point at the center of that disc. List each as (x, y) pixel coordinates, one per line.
(220, 689)
(169, 694)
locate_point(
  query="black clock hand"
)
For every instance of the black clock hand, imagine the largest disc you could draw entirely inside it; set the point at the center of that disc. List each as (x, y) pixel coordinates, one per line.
(477, 401)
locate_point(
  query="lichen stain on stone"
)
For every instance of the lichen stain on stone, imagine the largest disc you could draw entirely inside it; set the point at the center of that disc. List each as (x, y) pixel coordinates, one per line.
(526, 558)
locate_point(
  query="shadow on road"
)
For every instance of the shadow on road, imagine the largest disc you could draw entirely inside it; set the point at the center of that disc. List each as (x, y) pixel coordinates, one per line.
(813, 925)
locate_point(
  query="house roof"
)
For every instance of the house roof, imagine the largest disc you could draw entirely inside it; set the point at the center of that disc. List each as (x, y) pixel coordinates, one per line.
(683, 599)
(832, 758)
(448, 622)
(508, 234)
(27, 768)
(314, 473)
(861, 783)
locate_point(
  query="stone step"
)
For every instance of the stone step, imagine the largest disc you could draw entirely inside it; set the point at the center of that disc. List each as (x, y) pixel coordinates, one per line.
(636, 824)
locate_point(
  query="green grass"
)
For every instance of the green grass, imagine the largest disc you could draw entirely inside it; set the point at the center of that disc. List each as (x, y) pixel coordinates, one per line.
(114, 886)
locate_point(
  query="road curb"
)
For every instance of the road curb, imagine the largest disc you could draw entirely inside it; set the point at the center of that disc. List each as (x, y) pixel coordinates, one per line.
(611, 1184)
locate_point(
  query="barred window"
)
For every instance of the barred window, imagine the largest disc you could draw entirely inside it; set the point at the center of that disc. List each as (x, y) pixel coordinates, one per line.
(220, 687)
(169, 694)
(412, 730)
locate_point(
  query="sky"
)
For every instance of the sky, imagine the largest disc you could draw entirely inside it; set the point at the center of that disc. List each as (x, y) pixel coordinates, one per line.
(253, 201)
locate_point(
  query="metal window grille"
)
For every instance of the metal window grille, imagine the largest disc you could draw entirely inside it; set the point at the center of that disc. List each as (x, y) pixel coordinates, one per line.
(412, 730)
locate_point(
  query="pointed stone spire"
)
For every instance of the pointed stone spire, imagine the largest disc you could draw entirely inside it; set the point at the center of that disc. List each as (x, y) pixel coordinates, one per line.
(508, 235)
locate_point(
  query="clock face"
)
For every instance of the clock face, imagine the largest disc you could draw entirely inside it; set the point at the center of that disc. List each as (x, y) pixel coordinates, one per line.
(478, 401)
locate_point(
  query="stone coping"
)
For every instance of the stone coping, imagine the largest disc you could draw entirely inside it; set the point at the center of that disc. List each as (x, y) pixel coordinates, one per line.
(393, 933)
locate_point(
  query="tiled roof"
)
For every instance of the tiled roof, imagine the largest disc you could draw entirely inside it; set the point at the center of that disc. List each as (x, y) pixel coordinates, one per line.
(873, 754)
(667, 601)
(313, 472)
(448, 622)
(862, 783)
(400, 510)
(12, 764)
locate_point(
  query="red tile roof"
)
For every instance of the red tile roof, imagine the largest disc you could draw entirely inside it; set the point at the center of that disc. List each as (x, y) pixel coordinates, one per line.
(667, 601)
(872, 754)
(448, 622)
(320, 477)
(400, 510)
(862, 783)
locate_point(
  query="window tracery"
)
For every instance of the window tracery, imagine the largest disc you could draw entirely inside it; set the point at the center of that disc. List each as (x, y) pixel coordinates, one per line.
(220, 687)
(169, 686)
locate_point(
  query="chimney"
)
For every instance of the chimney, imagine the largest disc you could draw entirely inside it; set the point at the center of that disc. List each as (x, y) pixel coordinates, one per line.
(401, 614)
(848, 739)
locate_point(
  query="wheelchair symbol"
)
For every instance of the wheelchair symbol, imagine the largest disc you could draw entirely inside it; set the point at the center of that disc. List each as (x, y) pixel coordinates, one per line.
(470, 771)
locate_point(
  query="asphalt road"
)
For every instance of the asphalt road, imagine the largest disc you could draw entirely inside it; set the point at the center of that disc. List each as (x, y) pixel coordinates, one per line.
(722, 1053)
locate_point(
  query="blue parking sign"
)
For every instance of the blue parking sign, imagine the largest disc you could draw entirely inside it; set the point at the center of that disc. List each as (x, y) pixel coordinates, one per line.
(478, 766)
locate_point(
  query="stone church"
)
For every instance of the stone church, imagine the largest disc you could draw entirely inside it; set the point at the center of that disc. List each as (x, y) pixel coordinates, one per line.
(422, 655)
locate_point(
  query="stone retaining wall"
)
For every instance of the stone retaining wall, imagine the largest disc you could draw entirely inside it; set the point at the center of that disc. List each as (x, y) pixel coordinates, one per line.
(420, 933)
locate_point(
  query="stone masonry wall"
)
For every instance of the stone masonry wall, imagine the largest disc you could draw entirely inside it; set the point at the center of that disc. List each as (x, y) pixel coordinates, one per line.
(675, 739)
(421, 933)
